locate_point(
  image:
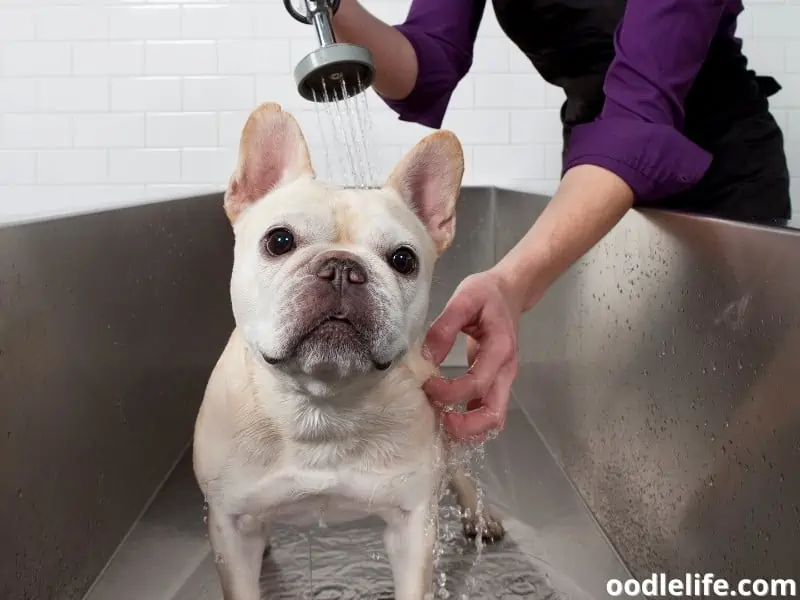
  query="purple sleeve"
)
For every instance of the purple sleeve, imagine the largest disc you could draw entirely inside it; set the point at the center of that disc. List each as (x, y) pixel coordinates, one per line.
(660, 46)
(442, 33)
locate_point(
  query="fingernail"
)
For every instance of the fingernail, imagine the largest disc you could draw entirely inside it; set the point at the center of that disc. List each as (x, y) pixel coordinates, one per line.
(432, 381)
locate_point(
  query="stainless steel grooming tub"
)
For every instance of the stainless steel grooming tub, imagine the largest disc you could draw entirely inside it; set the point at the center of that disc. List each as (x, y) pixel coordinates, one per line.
(655, 424)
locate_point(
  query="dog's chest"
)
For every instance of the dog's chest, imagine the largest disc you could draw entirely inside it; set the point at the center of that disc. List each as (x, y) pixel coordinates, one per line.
(300, 496)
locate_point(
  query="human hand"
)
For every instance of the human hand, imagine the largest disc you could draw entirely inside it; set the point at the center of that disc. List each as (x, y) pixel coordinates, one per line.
(484, 309)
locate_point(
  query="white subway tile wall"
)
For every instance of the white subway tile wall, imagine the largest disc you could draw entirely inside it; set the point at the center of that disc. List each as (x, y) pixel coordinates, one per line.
(110, 102)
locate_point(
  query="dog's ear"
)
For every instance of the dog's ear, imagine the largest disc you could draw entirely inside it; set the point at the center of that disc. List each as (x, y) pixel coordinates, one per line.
(272, 152)
(429, 178)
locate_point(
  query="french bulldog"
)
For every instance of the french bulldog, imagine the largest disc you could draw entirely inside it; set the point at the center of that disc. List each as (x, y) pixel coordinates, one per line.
(315, 406)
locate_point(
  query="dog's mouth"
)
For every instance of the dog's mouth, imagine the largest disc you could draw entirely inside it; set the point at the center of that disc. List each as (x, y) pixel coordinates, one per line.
(333, 324)
(330, 327)
(336, 321)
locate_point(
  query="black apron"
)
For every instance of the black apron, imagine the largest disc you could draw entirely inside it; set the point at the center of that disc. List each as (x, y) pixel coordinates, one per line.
(570, 43)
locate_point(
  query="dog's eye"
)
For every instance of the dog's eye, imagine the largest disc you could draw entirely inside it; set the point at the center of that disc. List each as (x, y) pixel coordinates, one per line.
(403, 260)
(279, 241)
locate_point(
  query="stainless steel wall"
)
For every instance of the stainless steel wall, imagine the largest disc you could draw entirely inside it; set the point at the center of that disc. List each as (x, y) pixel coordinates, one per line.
(666, 364)
(668, 369)
(109, 326)
(472, 250)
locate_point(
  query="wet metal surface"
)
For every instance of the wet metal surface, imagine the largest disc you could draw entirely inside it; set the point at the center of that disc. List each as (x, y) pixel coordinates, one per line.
(553, 549)
(661, 373)
(472, 251)
(665, 366)
(109, 325)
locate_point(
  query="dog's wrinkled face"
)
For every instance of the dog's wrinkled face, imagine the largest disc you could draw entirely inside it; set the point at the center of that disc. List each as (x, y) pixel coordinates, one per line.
(330, 282)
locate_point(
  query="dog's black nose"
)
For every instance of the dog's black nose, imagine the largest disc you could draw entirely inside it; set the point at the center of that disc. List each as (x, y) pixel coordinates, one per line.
(342, 272)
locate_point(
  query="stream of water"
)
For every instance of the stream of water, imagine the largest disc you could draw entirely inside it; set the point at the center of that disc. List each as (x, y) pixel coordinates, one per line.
(345, 128)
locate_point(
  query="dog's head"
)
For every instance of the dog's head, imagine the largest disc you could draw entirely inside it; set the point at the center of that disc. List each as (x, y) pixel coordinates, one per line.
(330, 282)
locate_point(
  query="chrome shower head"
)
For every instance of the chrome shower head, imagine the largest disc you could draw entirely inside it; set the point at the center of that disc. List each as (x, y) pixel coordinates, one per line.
(333, 71)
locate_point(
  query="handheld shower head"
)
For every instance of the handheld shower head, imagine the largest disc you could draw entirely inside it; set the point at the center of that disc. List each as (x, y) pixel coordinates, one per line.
(333, 71)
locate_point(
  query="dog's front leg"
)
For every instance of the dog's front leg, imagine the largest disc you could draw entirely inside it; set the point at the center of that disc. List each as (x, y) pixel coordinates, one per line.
(239, 552)
(410, 538)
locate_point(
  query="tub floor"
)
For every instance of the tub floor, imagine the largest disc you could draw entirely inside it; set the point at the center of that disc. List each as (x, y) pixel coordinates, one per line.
(553, 548)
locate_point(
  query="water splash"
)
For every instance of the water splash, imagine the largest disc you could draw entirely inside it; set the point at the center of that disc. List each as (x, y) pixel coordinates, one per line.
(350, 137)
(475, 461)
(356, 116)
(343, 130)
(365, 127)
(336, 142)
(326, 148)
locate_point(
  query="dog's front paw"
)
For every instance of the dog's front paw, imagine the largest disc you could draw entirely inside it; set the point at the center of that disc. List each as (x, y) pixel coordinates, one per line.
(488, 525)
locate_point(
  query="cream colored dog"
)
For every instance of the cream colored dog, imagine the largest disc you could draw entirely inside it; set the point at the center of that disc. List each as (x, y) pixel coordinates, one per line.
(315, 407)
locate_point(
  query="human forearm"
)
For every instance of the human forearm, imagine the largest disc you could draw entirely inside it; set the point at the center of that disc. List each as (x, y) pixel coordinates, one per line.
(395, 60)
(589, 202)
(634, 149)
